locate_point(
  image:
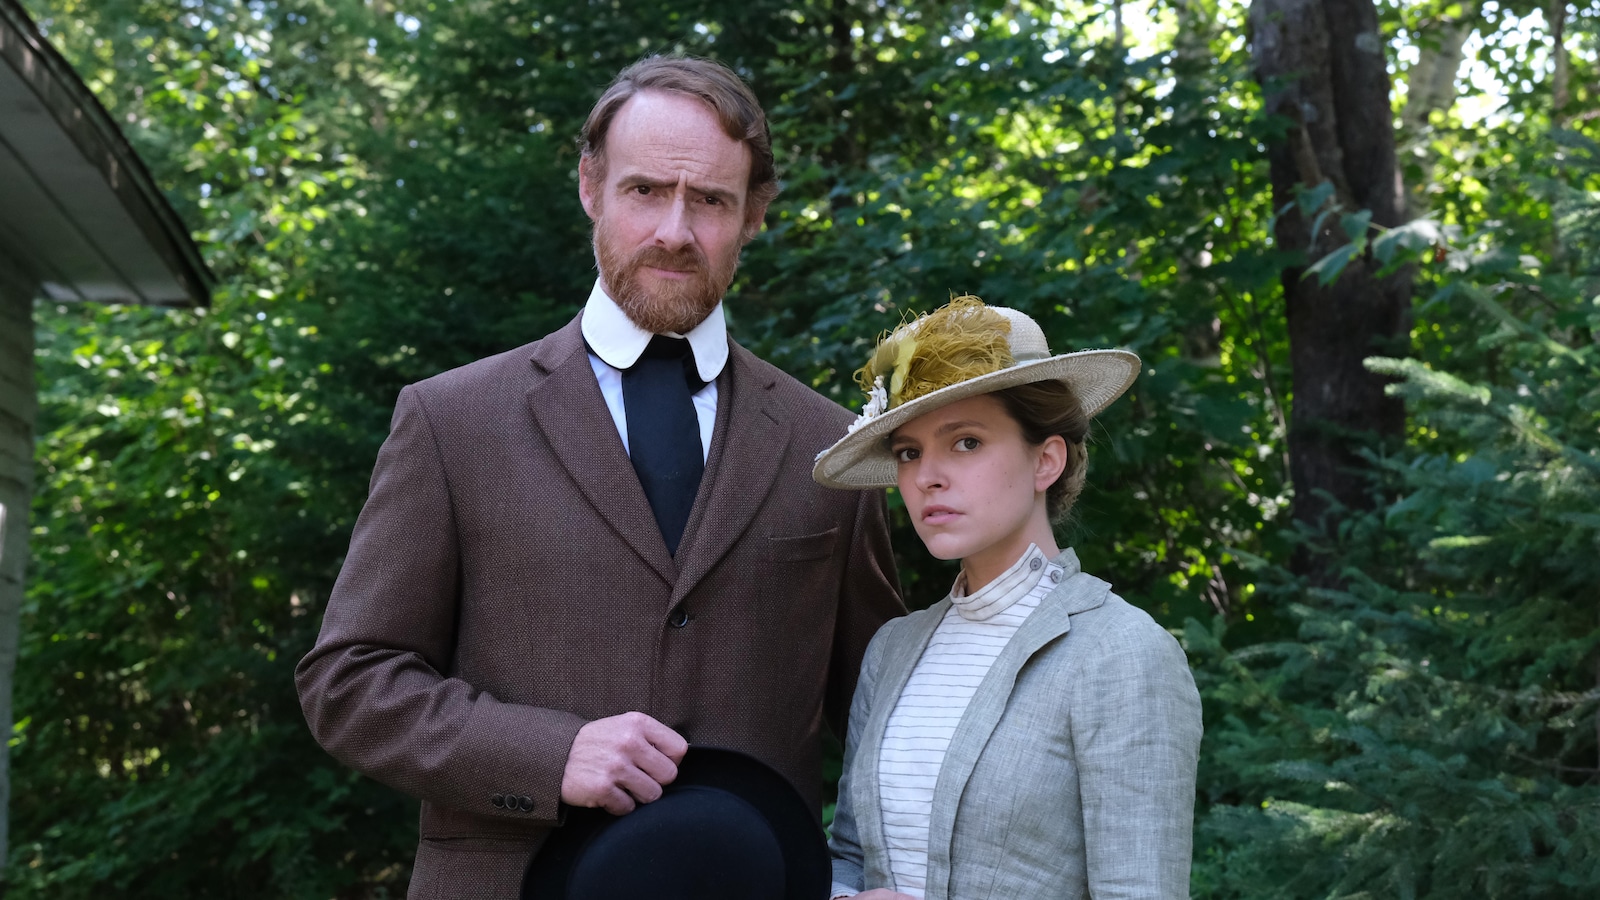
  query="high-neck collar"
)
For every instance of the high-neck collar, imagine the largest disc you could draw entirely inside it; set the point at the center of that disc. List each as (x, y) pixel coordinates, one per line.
(615, 338)
(1012, 585)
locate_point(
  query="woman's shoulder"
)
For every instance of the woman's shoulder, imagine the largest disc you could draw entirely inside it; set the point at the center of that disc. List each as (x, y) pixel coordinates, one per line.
(897, 631)
(1123, 627)
(914, 622)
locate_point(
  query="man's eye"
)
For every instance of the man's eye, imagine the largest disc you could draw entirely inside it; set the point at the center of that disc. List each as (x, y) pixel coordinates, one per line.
(968, 444)
(906, 454)
(642, 189)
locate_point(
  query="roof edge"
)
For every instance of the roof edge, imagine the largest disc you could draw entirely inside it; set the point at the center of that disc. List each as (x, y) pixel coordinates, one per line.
(102, 143)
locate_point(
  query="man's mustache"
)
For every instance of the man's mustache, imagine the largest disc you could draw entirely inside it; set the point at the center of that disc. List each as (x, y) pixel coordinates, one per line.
(689, 259)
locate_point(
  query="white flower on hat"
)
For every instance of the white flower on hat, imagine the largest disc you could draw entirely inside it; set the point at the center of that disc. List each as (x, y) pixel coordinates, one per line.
(877, 402)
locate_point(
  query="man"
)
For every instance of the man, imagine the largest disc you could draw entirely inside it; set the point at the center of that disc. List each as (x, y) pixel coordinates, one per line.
(580, 555)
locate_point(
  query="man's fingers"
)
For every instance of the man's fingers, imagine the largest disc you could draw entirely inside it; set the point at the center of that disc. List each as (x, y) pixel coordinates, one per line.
(640, 785)
(669, 742)
(617, 802)
(658, 767)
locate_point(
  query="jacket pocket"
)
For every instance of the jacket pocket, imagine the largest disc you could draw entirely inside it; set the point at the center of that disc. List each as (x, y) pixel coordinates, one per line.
(802, 546)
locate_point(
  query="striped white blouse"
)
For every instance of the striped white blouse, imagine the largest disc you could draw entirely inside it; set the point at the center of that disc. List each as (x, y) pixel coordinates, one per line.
(959, 654)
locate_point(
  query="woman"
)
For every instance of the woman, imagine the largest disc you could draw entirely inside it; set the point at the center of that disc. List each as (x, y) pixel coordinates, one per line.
(1031, 735)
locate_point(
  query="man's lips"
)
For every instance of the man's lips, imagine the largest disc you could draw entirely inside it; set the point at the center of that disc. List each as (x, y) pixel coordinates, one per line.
(938, 515)
(669, 273)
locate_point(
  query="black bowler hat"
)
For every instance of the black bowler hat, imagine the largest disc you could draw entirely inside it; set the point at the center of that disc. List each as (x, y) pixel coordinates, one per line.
(727, 828)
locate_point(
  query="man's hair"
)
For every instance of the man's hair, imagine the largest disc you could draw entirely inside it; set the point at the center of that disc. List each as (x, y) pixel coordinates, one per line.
(713, 84)
(1044, 408)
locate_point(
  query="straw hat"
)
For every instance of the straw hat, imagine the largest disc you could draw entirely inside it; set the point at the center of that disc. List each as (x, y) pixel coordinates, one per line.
(958, 351)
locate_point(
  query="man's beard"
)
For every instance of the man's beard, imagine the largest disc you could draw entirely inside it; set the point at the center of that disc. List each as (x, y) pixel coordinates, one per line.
(671, 306)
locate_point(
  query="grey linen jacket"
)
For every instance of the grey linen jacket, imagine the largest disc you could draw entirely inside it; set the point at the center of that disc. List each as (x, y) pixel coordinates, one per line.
(1072, 773)
(507, 583)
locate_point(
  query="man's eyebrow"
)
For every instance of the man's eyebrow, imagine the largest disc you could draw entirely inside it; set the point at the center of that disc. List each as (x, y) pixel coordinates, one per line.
(634, 179)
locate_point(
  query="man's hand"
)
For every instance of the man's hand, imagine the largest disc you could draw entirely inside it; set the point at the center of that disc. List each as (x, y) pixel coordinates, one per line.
(619, 762)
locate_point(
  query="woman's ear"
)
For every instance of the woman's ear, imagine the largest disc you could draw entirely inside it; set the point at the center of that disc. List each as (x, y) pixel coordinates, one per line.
(1052, 462)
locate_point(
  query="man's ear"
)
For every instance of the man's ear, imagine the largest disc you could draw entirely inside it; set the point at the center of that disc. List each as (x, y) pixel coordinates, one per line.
(754, 218)
(589, 187)
(1052, 462)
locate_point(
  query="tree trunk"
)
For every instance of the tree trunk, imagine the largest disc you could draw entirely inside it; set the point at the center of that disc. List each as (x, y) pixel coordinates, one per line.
(1430, 88)
(17, 405)
(1431, 83)
(1322, 65)
(1559, 90)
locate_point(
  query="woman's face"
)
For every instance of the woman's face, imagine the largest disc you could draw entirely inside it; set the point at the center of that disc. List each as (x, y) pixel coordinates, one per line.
(973, 485)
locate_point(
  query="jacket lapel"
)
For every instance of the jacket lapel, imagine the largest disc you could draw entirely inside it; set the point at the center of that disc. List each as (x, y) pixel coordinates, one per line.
(751, 438)
(894, 670)
(571, 414)
(1051, 620)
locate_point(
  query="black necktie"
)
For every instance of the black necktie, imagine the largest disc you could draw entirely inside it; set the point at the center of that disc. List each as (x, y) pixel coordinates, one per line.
(664, 432)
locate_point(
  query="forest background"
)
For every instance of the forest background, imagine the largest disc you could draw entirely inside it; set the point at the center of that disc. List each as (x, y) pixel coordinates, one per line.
(1399, 667)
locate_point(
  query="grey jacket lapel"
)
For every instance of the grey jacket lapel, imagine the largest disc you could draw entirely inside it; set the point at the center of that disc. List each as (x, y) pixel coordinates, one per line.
(571, 414)
(1050, 621)
(894, 670)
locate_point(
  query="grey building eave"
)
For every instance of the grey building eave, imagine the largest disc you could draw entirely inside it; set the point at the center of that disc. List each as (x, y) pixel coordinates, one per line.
(78, 209)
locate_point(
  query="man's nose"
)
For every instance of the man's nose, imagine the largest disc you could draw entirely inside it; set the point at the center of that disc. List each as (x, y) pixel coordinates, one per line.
(673, 231)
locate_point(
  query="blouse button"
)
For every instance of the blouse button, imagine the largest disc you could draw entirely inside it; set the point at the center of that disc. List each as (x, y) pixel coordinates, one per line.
(1035, 564)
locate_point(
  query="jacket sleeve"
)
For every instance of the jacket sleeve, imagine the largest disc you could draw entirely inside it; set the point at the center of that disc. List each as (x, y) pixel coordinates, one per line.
(1136, 734)
(869, 595)
(844, 841)
(374, 689)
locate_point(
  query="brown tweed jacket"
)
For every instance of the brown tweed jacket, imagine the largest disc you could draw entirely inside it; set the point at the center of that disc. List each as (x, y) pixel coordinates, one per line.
(506, 583)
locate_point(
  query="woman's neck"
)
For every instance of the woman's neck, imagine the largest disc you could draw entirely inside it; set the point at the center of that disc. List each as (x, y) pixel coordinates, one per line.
(992, 561)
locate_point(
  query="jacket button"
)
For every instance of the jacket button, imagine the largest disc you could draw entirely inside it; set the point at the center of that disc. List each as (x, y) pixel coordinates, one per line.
(678, 619)
(525, 804)
(499, 801)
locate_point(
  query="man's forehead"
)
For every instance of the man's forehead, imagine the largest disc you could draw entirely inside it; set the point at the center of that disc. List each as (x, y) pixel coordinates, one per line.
(657, 133)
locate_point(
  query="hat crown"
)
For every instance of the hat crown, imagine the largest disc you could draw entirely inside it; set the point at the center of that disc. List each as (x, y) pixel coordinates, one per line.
(1026, 337)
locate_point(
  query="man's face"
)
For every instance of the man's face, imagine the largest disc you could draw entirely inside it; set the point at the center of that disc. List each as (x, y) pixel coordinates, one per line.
(671, 210)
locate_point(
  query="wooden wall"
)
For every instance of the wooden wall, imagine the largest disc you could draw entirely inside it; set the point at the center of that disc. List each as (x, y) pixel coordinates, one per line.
(17, 406)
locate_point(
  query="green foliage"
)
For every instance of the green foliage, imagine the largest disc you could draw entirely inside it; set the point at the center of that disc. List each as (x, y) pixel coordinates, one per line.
(386, 189)
(1430, 730)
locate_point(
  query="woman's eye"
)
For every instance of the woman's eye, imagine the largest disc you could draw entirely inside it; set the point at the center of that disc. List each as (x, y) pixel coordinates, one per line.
(906, 454)
(968, 444)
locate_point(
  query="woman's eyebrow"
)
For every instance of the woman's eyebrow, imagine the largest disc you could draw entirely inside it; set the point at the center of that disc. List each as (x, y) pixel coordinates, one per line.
(957, 426)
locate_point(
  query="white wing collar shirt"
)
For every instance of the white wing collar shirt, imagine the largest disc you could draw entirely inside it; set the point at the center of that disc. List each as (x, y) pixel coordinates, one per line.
(615, 343)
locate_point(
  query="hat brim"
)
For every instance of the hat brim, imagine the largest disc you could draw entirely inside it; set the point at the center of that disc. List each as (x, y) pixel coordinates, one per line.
(861, 459)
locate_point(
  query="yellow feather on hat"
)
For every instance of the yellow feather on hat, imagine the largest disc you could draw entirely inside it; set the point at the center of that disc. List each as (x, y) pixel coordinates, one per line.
(957, 342)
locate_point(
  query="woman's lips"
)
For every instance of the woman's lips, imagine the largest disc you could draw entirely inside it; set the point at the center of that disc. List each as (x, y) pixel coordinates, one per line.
(938, 515)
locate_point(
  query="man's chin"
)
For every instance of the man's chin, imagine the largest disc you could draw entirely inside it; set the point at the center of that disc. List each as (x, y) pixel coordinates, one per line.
(660, 314)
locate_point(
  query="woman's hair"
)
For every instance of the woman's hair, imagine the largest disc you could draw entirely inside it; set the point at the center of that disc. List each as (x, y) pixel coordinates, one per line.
(1044, 408)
